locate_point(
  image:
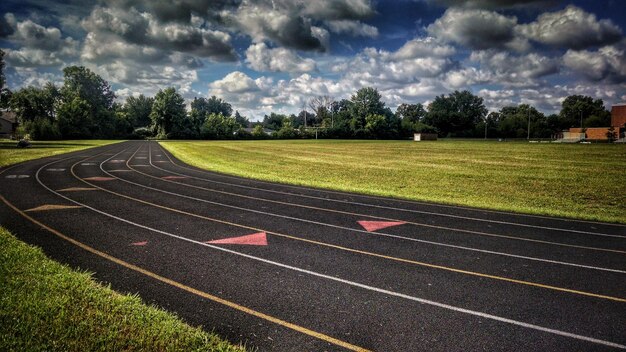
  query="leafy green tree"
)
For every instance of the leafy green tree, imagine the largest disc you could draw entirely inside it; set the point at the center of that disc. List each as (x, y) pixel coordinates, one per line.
(218, 126)
(5, 93)
(168, 114)
(138, 110)
(257, 132)
(274, 121)
(375, 125)
(75, 119)
(82, 88)
(242, 120)
(513, 122)
(410, 116)
(287, 131)
(577, 107)
(218, 106)
(32, 103)
(457, 114)
(366, 101)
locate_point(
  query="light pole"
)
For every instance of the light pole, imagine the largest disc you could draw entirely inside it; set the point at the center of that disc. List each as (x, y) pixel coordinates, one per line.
(528, 137)
(581, 120)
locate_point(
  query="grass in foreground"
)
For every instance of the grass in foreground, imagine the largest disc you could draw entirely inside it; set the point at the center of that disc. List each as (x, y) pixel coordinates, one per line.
(576, 181)
(46, 306)
(11, 154)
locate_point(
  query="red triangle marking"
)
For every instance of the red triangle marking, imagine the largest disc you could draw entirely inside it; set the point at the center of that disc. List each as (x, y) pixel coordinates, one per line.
(99, 178)
(173, 177)
(377, 225)
(142, 243)
(256, 239)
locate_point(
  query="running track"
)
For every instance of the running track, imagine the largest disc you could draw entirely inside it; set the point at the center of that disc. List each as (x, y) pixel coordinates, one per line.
(287, 268)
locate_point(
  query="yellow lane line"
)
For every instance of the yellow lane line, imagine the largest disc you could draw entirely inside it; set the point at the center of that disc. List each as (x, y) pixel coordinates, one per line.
(189, 289)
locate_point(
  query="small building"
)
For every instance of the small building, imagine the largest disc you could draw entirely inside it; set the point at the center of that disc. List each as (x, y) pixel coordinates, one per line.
(8, 124)
(417, 137)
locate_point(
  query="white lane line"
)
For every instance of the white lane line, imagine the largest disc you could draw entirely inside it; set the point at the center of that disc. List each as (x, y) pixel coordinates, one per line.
(367, 232)
(479, 233)
(391, 208)
(348, 282)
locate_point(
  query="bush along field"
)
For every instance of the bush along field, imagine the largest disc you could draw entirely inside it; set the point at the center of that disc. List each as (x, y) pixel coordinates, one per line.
(575, 181)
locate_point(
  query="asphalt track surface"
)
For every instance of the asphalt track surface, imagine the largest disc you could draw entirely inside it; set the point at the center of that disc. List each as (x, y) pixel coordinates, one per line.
(318, 270)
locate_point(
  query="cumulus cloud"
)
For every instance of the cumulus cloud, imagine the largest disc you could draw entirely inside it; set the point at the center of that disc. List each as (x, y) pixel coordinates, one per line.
(38, 45)
(478, 29)
(354, 28)
(262, 58)
(142, 28)
(608, 63)
(495, 4)
(515, 70)
(572, 28)
(283, 28)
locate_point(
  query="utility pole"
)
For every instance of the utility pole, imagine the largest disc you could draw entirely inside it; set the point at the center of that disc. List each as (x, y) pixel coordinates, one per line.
(486, 127)
(581, 120)
(528, 138)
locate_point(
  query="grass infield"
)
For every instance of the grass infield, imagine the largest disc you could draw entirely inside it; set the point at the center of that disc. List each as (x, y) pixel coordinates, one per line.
(11, 154)
(583, 181)
(46, 306)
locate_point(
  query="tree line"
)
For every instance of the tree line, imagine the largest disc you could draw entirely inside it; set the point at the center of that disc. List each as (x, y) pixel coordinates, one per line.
(84, 107)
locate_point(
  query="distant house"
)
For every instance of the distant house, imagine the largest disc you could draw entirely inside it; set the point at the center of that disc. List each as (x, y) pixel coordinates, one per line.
(8, 124)
(267, 131)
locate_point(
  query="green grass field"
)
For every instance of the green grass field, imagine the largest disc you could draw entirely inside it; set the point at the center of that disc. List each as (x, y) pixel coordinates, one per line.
(569, 180)
(46, 306)
(10, 154)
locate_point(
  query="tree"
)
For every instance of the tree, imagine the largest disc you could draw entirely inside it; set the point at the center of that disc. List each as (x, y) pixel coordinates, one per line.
(168, 114)
(85, 89)
(274, 121)
(242, 120)
(321, 105)
(5, 93)
(410, 116)
(577, 107)
(138, 110)
(33, 103)
(218, 126)
(456, 114)
(513, 122)
(367, 101)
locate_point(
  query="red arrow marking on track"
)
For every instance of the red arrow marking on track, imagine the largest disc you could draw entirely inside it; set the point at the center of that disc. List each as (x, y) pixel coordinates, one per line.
(173, 177)
(256, 239)
(99, 178)
(143, 243)
(377, 225)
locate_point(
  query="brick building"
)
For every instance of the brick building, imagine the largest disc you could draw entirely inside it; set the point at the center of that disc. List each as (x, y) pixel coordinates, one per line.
(618, 123)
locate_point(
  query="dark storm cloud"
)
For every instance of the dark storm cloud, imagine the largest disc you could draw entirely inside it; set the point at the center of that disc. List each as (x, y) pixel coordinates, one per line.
(143, 29)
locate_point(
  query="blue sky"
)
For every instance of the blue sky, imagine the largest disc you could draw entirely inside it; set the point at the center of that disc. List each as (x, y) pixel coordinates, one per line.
(265, 55)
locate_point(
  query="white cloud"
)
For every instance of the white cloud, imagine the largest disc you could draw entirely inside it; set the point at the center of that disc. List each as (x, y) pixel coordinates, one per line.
(354, 28)
(515, 70)
(262, 58)
(608, 63)
(572, 28)
(478, 29)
